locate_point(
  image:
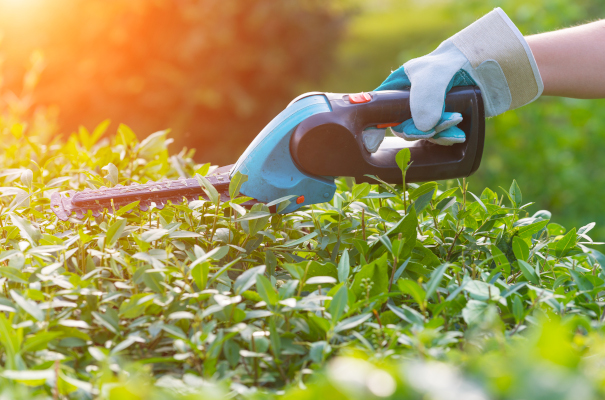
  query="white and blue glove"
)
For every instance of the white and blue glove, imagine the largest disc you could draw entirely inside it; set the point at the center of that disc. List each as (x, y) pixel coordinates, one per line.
(490, 53)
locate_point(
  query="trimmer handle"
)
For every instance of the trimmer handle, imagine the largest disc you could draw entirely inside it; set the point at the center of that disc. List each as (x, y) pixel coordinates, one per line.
(330, 143)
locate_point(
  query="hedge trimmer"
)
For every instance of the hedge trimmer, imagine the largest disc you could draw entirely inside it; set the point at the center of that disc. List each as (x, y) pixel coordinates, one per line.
(318, 137)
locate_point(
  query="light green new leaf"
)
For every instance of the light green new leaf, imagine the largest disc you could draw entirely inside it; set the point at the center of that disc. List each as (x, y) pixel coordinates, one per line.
(236, 183)
(112, 173)
(403, 159)
(515, 193)
(343, 267)
(361, 190)
(566, 243)
(127, 208)
(210, 190)
(114, 232)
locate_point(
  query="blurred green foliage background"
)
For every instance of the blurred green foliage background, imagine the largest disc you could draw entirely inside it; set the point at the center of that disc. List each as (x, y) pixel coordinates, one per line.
(216, 72)
(553, 147)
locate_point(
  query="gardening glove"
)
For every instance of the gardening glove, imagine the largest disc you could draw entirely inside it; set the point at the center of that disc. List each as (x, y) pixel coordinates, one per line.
(490, 53)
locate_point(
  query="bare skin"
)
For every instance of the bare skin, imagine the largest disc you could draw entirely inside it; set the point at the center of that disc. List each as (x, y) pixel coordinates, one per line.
(572, 61)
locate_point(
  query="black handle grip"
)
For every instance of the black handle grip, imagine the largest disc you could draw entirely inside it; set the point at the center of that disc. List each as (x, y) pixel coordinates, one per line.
(330, 144)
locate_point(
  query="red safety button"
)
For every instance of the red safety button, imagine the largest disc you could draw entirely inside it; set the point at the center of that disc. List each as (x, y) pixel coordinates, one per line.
(390, 125)
(357, 98)
(300, 199)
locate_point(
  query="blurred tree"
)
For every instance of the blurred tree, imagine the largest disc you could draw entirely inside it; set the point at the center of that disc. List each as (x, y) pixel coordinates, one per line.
(214, 71)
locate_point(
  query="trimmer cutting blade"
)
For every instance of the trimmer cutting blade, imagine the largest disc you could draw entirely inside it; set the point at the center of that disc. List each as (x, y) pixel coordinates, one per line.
(151, 193)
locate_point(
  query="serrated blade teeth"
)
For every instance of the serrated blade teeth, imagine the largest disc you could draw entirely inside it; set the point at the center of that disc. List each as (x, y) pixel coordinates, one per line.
(143, 206)
(96, 213)
(159, 205)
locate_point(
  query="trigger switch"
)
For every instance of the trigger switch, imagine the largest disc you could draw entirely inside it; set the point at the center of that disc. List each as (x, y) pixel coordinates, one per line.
(359, 98)
(372, 138)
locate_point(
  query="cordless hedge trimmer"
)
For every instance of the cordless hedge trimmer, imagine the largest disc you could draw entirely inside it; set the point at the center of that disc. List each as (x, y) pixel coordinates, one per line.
(318, 137)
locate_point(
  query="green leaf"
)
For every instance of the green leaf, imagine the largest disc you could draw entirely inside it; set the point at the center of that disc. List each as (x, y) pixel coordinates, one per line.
(236, 183)
(515, 193)
(529, 230)
(339, 302)
(247, 279)
(200, 274)
(500, 260)
(28, 306)
(29, 377)
(13, 275)
(266, 290)
(408, 286)
(407, 314)
(296, 242)
(352, 322)
(403, 159)
(112, 173)
(114, 232)
(528, 272)
(127, 208)
(422, 201)
(375, 273)
(274, 337)
(436, 278)
(343, 267)
(136, 305)
(361, 190)
(520, 248)
(555, 229)
(384, 239)
(39, 341)
(423, 189)
(566, 243)
(480, 290)
(10, 341)
(207, 187)
(476, 312)
(28, 232)
(518, 310)
(27, 177)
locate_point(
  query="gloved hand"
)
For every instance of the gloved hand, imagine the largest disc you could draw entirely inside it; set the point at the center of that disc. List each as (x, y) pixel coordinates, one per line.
(490, 53)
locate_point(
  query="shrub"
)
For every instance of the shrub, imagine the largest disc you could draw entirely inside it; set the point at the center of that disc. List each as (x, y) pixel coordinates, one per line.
(211, 294)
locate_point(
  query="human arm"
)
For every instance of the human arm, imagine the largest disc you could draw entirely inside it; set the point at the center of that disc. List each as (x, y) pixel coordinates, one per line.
(572, 60)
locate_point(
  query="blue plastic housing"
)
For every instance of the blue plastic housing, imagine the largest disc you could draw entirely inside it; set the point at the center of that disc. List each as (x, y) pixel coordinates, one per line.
(271, 171)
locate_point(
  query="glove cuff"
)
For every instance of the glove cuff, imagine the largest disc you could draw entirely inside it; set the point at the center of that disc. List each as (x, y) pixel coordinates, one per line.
(494, 37)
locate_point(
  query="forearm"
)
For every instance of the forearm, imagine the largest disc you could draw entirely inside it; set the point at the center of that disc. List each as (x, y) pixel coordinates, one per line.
(572, 61)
